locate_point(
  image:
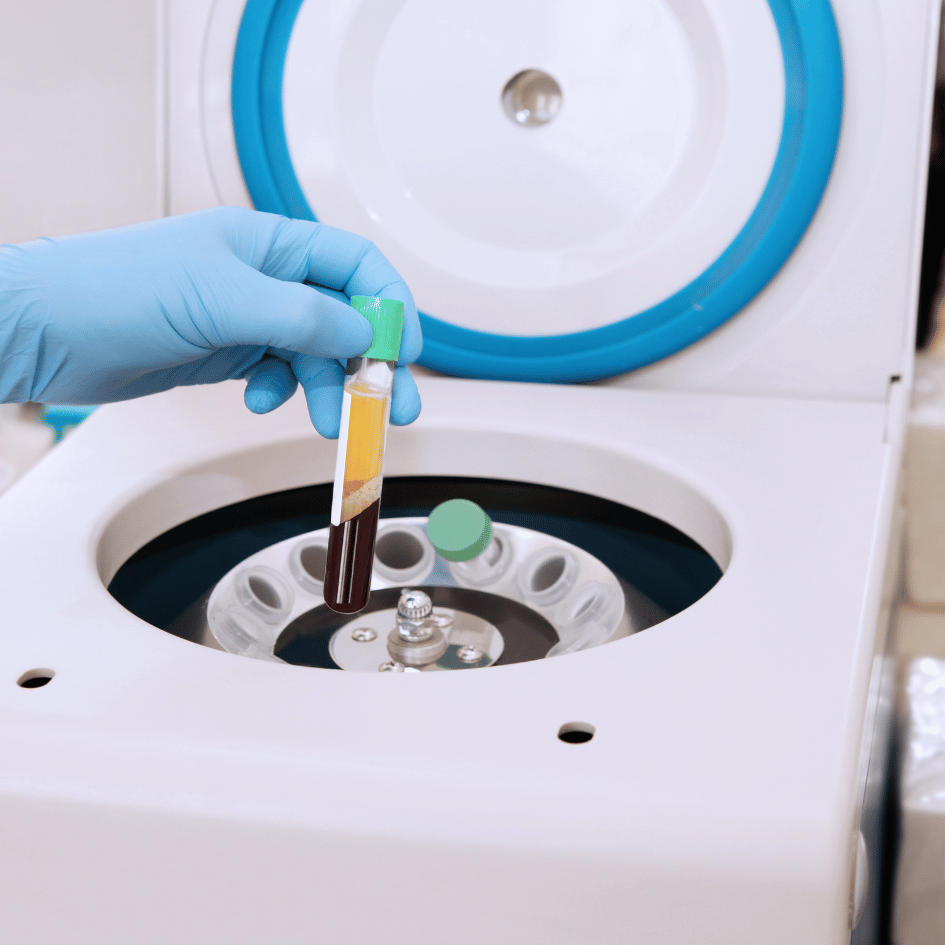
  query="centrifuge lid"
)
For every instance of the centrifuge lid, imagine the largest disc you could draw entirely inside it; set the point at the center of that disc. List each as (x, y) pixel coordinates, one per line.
(673, 184)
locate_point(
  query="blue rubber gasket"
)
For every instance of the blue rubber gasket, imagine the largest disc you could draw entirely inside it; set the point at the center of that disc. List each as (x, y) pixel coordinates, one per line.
(813, 109)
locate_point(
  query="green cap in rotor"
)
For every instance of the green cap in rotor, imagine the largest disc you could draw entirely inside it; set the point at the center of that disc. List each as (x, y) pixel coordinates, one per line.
(387, 319)
(459, 529)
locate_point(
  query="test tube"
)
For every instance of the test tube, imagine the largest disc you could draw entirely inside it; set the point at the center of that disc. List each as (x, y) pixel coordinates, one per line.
(359, 468)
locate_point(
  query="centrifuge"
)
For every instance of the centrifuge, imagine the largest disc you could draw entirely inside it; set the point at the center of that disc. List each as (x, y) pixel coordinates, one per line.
(666, 254)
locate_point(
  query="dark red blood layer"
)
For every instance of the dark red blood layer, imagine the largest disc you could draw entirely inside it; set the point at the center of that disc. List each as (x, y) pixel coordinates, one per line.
(351, 561)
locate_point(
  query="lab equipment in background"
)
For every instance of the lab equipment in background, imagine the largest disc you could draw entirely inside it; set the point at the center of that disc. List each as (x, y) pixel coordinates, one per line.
(28, 432)
(919, 888)
(23, 443)
(356, 500)
(64, 418)
(920, 878)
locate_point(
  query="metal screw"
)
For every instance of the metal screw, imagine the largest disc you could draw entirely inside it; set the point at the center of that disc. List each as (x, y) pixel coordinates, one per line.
(469, 654)
(363, 634)
(391, 667)
(443, 621)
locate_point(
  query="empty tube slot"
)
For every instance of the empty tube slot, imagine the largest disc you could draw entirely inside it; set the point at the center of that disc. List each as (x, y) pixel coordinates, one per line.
(403, 554)
(240, 633)
(490, 566)
(263, 591)
(548, 575)
(307, 563)
(587, 618)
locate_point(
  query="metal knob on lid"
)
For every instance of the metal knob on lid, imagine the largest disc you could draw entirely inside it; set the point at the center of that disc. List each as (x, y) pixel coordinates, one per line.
(414, 605)
(414, 626)
(417, 640)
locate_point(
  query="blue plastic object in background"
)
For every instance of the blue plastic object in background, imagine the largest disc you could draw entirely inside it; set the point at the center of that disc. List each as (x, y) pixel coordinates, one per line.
(63, 418)
(813, 73)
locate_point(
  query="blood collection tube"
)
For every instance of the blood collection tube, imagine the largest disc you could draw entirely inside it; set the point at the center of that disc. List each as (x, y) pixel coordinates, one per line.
(356, 499)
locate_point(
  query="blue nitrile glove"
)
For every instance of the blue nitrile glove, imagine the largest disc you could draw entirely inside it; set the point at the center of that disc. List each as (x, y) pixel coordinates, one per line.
(196, 299)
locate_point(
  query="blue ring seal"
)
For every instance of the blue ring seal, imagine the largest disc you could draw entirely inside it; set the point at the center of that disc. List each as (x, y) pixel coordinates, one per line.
(813, 108)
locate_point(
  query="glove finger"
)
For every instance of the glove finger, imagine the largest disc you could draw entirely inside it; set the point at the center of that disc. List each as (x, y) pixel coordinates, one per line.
(411, 342)
(322, 379)
(295, 317)
(269, 384)
(345, 262)
(405, 400)
(331, 293)
(374, 275)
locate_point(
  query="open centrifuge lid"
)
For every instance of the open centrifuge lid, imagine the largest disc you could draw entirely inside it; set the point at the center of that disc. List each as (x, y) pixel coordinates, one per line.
(753, 229)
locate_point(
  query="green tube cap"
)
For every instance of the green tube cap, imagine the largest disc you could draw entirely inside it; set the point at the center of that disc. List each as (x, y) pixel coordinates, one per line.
(387, 319)
(459, 529)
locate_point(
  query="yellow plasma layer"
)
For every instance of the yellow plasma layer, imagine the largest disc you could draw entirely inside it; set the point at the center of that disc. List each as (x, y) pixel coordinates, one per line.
(364, 457)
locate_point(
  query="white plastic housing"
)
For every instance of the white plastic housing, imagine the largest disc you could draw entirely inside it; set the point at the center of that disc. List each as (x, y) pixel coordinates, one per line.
(158, 791)
(837, 322)
(721, 789)
(83, 116)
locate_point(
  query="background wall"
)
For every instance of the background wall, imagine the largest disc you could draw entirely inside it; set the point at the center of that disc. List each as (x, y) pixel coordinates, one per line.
(80, 99)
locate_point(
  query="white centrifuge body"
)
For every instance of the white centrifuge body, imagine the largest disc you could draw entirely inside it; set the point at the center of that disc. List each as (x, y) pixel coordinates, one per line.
(155, 790)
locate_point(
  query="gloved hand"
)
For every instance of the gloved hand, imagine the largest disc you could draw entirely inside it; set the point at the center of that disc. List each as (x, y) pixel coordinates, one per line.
(197, 299)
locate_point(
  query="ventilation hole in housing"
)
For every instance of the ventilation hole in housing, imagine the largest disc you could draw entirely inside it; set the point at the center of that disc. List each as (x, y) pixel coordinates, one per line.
(531, 98)
(35, 678)
(576, 733)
